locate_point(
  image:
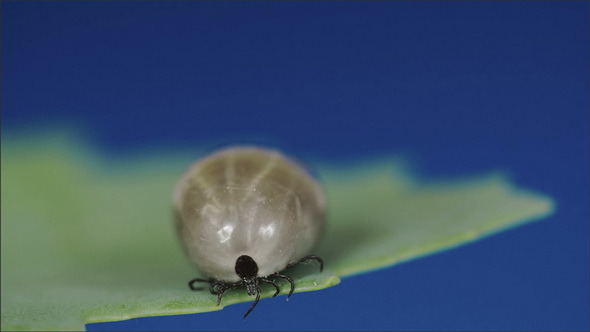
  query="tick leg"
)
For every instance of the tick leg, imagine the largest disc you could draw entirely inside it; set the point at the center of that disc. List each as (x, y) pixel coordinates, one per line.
(220, 290)
(212, 286)
(307, 258)
(191, 284)
(278, 290)
(284, 276)
(216, 285)
(255, 301)
(223, 286)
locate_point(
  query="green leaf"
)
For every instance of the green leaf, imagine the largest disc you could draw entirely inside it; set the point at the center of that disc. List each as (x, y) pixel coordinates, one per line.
(86, 240)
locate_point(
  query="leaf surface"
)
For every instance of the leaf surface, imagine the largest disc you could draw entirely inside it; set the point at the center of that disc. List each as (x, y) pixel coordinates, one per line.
(89, 240)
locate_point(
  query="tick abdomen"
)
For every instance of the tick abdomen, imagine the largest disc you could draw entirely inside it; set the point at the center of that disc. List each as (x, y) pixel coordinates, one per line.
(247, 201)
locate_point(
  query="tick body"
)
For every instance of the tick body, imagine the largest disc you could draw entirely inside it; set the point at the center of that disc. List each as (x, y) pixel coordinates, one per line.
(244, 214)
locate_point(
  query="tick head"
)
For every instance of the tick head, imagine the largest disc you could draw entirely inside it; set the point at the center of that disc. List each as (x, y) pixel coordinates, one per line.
(247, 269)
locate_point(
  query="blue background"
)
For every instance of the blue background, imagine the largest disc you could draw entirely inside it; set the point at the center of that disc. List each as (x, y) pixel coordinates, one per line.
(461, 87)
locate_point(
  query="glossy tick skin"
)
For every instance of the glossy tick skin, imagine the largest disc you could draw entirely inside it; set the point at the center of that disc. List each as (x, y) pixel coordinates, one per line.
(243, 215)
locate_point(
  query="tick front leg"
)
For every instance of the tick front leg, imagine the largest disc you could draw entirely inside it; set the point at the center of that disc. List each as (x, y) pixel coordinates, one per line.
(255, 301)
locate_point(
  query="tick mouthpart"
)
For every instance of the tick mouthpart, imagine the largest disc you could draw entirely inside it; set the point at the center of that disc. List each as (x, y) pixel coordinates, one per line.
(250, 286)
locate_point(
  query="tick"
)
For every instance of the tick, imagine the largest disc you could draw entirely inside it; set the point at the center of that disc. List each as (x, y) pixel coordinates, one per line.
(244, 215)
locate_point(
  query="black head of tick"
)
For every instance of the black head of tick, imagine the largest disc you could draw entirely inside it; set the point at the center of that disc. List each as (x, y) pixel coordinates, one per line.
(247, 269)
